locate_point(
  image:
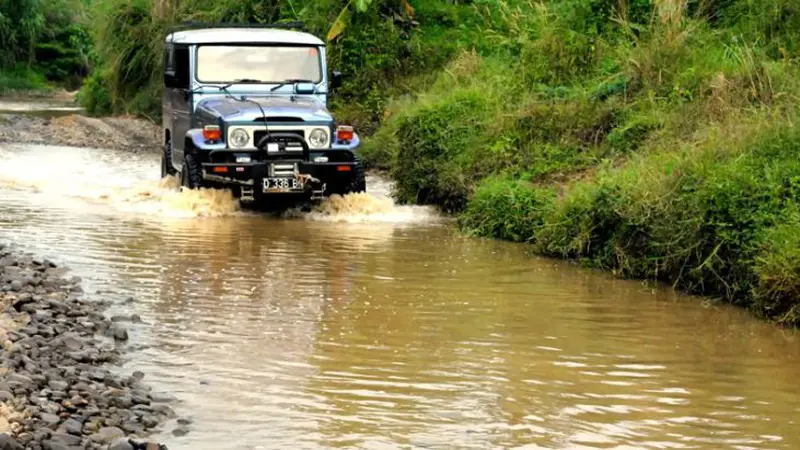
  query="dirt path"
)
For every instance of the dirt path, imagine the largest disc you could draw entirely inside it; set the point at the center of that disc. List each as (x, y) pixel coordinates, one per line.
(79, 131)
(55, 119)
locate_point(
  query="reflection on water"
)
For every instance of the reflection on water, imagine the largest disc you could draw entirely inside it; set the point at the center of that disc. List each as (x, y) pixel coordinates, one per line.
(378, 327)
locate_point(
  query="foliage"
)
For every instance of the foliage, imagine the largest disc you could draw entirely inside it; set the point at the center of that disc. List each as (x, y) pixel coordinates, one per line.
(48, 37)
(657, 140)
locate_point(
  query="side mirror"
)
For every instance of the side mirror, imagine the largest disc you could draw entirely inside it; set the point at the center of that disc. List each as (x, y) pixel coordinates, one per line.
(336, 80)
(305, 88)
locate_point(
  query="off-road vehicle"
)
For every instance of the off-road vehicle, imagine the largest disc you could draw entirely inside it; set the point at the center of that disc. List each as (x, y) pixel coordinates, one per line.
(246, 108)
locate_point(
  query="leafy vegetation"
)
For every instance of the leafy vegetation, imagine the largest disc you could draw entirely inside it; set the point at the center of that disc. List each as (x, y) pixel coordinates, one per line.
(43, 42)
(657, 140)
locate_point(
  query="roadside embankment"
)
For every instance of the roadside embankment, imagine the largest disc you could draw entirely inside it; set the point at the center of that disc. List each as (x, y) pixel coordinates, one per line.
(668, 154)
(75, 130)
(56, 389)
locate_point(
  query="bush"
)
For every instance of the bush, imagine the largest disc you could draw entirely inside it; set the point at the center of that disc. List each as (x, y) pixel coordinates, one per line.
(778, 270)
(21, 78)
(436, 143)
(507, 208)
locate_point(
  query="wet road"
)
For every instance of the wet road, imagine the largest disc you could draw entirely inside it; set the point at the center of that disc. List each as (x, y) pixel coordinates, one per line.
(369, 325)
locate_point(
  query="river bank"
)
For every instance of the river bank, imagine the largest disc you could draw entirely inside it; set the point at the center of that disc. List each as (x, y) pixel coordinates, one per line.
(56, 387)
(75, 130)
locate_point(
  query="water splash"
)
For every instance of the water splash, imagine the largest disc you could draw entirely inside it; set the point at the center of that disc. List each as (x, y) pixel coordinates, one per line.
(119, 182)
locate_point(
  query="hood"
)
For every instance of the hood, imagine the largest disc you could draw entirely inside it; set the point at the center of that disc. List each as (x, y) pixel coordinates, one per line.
(276, 108)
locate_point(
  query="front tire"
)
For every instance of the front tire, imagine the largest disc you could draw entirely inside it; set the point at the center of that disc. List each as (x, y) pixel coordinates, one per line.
(190, 175)
(166, 161)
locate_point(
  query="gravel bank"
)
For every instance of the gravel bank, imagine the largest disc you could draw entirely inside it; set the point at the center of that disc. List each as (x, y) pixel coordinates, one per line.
(55, 389)
(80, 131)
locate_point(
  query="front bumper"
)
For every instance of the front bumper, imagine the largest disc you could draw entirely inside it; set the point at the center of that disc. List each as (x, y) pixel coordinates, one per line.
(263, 176)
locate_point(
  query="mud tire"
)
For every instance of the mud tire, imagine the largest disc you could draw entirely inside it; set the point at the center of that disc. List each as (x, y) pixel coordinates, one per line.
(190, 175)
(166, 161)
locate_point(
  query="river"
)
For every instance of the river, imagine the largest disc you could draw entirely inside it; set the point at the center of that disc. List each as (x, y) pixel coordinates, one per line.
(372, 325)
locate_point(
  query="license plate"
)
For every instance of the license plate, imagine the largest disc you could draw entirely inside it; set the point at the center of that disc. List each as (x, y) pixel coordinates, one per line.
(281, 184)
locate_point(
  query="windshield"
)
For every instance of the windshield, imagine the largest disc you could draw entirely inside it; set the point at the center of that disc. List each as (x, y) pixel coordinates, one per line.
(225, 64)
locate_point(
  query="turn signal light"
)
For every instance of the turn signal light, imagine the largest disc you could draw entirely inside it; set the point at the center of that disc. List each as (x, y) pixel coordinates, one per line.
(343, 168)
(220, 169)
(212, 133)
(344, 133)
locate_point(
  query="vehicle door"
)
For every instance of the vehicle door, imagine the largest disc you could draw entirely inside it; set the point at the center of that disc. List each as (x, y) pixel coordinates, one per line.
(179, 98)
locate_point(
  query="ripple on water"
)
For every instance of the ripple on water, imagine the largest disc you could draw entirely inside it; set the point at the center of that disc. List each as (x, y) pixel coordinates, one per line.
(353, 326)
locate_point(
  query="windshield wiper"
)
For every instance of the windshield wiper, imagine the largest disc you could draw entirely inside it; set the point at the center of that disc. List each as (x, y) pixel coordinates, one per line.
(285, 82)
(244, 81)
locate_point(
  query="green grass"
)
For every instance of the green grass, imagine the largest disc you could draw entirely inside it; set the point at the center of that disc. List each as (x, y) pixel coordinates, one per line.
(22, 79)
(662, 149)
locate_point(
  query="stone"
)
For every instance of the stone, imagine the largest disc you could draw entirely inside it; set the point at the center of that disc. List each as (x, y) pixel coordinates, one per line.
(120, 444)
(21, 379)
(23, 438)
(66, 438)
(49, 420)
(97, 375)
(107, 435)
(6, 396)
(16, 285)
(118, 332)
(149, 421)
(72, 426)
(9, 443)
(58, 385)
(180, 431)
(54, 445)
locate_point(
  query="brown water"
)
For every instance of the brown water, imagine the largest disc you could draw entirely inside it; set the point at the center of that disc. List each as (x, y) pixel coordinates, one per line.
(368, 325)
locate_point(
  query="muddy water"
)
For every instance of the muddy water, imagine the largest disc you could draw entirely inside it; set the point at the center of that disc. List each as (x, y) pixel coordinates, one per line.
(368, 325)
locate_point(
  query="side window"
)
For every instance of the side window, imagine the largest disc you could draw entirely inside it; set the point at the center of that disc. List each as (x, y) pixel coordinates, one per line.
(181, 67)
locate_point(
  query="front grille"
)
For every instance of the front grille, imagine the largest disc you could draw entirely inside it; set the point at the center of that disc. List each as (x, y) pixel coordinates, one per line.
(290, 147)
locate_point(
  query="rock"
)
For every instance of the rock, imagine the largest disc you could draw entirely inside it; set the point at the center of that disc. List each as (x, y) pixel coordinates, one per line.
(121, 444)
(72, 426)
(5, 396)
(21, 379)
(118, 332)
(54, 445)
(41, 434)
(58, 385)
(180, 431)
(133, 427)
(49, 420)
(136, 319)
(9, 443)
(16, 285)
(107, 435)
(149, 421)
(97, 375)
(23, 438)
(137, 375)
(139, 399)
(66, 439)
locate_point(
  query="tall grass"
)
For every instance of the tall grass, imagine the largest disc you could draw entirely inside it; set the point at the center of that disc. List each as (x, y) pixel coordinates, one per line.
(659, 142)
(42, 41)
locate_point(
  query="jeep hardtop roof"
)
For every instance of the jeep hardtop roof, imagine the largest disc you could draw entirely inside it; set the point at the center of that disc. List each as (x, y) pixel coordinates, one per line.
(242, 35)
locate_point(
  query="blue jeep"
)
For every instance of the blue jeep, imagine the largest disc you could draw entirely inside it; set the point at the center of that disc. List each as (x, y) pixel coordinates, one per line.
(245, 109)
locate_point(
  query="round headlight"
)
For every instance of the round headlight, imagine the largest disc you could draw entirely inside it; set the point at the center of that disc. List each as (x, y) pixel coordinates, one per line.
(318, 138)
(239, 138)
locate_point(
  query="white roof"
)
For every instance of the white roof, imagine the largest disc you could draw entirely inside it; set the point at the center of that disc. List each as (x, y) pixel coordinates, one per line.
(243, 35)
